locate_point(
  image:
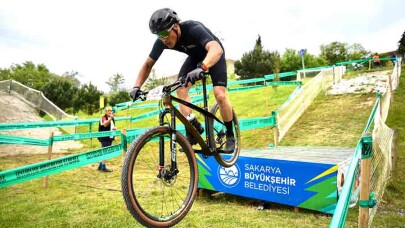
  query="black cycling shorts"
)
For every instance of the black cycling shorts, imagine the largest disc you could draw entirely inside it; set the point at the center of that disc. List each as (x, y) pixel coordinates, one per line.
(218, 71)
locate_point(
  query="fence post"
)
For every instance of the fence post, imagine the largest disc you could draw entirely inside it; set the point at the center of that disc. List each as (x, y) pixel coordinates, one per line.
(91, 139)
(390, 86)
(49, 155)
(10, 81)
(124, 142)
(275, 128)
(366, 199)
(394, 150)
(130, 121)
(276, 135)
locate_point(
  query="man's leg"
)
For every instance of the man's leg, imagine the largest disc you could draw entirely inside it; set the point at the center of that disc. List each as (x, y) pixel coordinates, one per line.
(102, 165)
(182, 93)
(225, 109)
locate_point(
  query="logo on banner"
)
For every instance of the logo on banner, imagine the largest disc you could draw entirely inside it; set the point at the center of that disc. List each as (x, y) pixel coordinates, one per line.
(229, 177)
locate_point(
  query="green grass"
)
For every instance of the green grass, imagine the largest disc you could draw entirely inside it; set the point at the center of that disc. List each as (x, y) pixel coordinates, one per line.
(392, 209)
(84, 197)
(328, 121)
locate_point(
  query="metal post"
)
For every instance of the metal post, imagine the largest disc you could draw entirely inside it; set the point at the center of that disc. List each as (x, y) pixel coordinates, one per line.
(303, 66)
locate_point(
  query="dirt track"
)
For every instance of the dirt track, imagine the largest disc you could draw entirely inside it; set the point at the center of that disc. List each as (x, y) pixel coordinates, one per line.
(15, 110)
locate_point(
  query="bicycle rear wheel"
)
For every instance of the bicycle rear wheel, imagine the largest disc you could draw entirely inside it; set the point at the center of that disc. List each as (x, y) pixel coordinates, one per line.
(155, 195)
(219, 135)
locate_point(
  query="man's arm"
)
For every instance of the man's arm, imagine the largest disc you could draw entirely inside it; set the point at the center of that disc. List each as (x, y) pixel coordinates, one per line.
(144, 72)
(214, 53)
(106, 122)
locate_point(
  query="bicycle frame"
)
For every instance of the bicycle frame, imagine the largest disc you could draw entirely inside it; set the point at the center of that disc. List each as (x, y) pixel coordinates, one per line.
(207, 149)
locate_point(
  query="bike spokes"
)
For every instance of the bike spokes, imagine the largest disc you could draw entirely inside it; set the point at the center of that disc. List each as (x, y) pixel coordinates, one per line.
(159, 195)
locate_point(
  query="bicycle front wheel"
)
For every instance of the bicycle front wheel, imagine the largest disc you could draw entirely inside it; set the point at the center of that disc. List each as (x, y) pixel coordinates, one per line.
(219, 135)
(159, 196)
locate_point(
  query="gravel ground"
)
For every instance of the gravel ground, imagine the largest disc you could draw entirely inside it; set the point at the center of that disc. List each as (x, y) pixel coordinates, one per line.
(367, 83)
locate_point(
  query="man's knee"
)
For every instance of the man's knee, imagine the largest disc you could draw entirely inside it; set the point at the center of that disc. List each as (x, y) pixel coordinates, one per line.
(182, 92)
(221, 98)
(220, 95)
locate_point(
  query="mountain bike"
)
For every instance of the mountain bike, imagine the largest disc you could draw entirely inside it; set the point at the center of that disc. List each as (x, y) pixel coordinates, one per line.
(160, 173)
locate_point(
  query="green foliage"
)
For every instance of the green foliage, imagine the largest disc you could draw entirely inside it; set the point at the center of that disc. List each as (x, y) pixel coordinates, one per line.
(72, 77)
(357, 51)
(340, 52)
(401, 46)
(292, 61)
(87, 99)
(29, 74)
(276, 66)
(335, 52)
(5, 74)
(115, 82)
(61, 92)
(119, 97)
(256, 63)
(314, 61)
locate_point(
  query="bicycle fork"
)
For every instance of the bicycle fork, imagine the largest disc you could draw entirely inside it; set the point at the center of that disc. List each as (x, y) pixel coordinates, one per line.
(168, 173)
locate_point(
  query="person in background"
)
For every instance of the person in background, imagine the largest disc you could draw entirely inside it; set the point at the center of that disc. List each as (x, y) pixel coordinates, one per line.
(376, 59)
(107, 123)
(205, 54)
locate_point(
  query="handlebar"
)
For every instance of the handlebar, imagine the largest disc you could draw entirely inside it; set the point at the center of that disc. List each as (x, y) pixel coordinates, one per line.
(170, 87)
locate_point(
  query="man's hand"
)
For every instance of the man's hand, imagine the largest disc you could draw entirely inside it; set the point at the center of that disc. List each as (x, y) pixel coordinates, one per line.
(194, 76)
(135, 93)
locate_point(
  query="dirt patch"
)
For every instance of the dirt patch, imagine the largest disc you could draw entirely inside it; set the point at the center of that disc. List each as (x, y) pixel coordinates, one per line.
(14, 110)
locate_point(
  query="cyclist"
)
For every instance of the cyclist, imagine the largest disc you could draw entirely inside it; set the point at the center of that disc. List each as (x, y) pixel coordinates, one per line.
(205, 53)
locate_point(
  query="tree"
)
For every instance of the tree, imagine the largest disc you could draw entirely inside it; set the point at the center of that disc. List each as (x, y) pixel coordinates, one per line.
(72, 77)
(314, 61)
(5, 74)
(61, 92)
(357, 51)
(115, 82)
(276, 60)
(335, 52)
(119, 97)
(29, 74)
(255, 63)
(291, 60)
(401, 46)
(87, 99)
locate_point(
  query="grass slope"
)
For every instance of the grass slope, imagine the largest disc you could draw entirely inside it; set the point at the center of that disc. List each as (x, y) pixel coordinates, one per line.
(84, 197)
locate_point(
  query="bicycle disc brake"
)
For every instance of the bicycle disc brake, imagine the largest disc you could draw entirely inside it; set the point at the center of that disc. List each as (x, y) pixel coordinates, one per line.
(168, 176)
